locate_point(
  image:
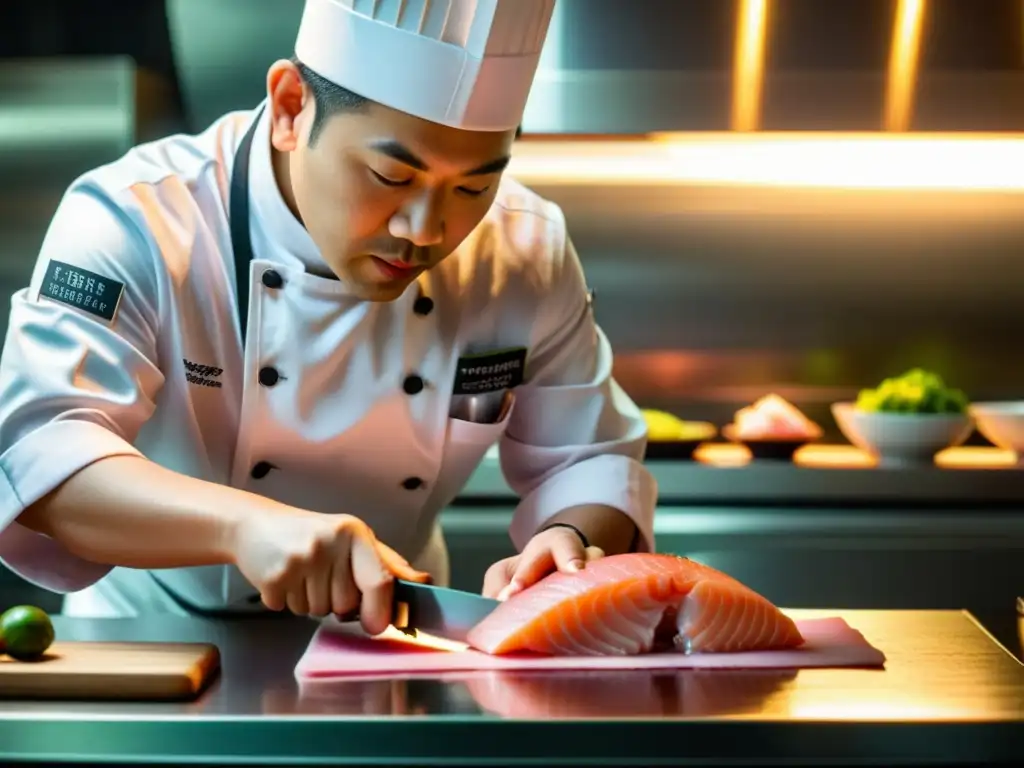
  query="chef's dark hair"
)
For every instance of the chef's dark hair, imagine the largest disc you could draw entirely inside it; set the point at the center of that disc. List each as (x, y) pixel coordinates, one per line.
(331, 99)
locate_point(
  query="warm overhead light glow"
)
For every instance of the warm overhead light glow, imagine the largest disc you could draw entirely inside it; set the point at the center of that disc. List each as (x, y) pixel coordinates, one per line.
(904, 56)
(835, 161)
(748, 64)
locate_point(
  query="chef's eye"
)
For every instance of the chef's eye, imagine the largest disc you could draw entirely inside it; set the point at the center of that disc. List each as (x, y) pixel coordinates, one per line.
(390, 182)
(473, 192)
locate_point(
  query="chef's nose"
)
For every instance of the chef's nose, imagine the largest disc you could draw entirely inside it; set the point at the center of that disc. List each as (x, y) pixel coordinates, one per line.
(421, 220)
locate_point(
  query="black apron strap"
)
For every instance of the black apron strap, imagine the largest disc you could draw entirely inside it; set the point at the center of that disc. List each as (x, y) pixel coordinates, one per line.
(238, 212)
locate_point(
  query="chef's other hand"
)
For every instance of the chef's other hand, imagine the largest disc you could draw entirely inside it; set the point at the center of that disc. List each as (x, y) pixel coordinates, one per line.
(554, 549)
(316, 564)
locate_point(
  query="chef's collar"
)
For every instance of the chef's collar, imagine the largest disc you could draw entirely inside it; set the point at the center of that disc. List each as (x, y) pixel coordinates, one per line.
(277, 235)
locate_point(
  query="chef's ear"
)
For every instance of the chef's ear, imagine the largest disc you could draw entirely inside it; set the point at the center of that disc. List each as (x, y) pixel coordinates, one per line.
(287, 94)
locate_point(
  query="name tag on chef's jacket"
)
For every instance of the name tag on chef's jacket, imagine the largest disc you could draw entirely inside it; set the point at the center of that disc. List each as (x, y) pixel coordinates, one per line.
(486, 372)
(82, 289)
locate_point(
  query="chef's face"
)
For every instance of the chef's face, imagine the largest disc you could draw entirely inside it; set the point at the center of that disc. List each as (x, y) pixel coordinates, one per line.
(384, 195)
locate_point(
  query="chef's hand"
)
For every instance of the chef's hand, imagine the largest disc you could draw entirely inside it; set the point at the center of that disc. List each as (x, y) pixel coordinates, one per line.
(316, 564)
(554, 549)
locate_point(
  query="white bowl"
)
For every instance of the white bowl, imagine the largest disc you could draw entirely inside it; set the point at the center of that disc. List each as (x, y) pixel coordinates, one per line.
(899, 439)
(1002, 424)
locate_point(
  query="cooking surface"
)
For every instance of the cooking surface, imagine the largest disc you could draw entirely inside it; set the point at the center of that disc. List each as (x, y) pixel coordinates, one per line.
(947, 689)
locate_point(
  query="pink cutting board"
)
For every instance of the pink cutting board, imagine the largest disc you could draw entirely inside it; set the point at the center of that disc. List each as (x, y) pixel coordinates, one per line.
(343, 650)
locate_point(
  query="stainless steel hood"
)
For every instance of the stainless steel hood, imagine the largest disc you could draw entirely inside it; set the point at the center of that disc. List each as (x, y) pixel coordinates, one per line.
(676, 65)
(638, 66)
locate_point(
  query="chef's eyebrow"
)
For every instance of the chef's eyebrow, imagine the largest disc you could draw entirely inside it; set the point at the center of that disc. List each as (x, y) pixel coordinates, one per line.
(397, 151)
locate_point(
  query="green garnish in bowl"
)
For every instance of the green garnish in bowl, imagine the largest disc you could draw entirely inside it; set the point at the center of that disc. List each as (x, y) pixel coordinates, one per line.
(915, 392)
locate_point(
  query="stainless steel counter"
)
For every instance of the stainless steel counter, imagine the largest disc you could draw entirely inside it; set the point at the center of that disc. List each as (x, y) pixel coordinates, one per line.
(949, 694)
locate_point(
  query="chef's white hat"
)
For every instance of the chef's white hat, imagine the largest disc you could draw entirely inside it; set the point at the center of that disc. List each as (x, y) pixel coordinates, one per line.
(463, 63)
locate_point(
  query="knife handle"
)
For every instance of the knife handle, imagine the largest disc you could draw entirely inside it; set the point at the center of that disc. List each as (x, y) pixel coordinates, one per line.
(399, 615)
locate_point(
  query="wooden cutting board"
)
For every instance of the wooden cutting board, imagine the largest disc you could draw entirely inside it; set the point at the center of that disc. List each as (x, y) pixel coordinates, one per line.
(112, 671)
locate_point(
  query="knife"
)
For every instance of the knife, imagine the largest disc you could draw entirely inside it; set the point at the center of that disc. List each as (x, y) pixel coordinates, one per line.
(438, 611)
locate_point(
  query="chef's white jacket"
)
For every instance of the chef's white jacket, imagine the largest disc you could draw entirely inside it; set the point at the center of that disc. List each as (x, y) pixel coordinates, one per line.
(127, 341)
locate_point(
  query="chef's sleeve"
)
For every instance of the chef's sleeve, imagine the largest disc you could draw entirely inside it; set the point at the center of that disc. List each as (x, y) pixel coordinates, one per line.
(78, 372)
(574, 436)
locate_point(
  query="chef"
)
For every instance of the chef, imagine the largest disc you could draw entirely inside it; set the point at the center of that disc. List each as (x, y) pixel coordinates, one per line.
(253, 365)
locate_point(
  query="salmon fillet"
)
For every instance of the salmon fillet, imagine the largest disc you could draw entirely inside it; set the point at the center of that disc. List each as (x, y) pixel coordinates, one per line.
(635, 603)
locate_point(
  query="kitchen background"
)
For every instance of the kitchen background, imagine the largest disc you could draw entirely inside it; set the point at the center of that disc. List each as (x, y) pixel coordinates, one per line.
(788, 196)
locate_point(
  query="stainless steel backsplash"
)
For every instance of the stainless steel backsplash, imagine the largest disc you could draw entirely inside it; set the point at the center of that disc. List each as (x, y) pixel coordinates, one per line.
(712, 296)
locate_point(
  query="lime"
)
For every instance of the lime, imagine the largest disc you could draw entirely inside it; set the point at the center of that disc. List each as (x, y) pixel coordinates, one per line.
(25, 632)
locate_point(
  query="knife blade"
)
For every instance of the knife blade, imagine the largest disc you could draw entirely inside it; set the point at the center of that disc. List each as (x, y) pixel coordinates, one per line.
(439, 611)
